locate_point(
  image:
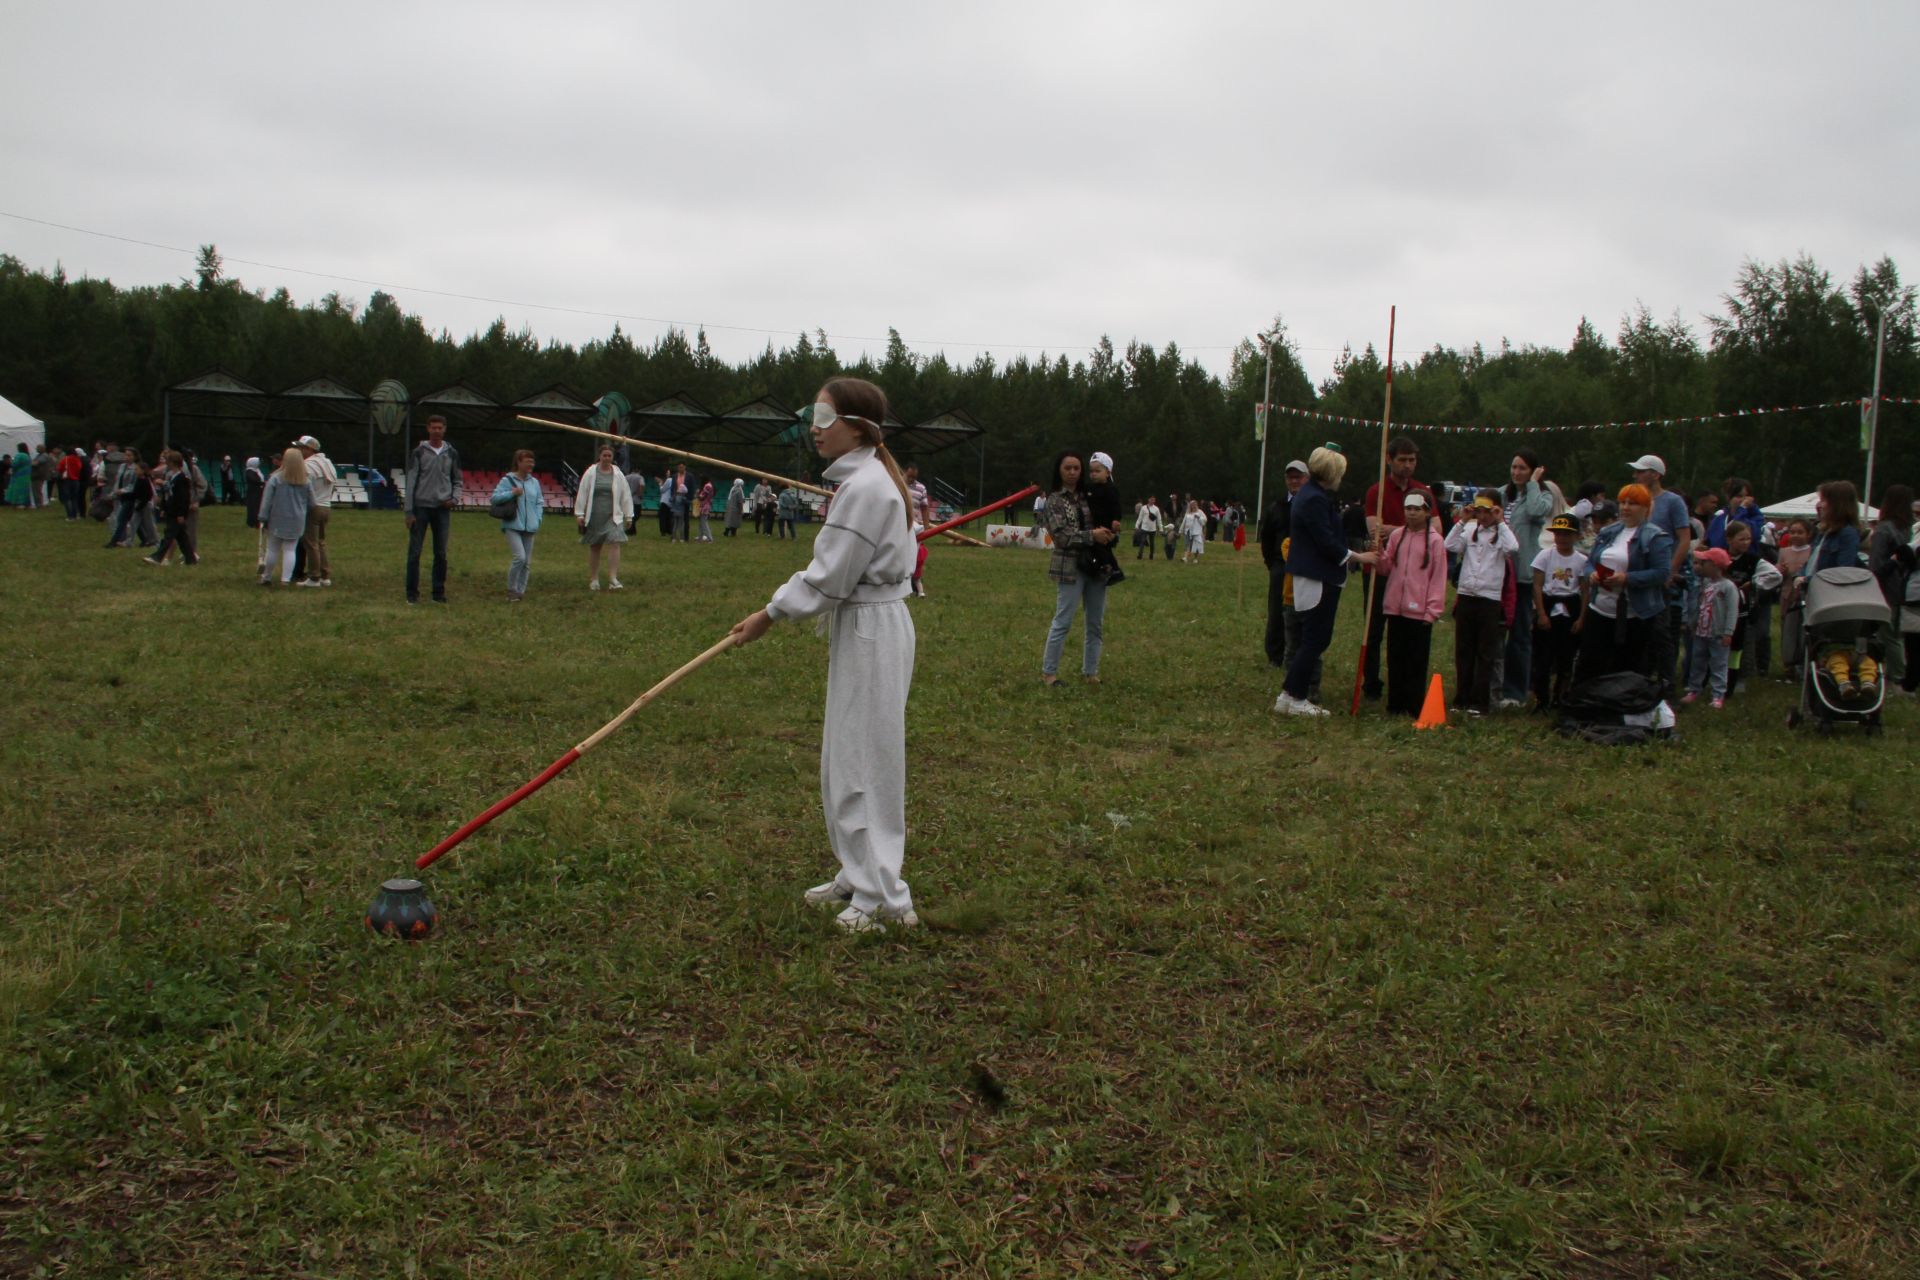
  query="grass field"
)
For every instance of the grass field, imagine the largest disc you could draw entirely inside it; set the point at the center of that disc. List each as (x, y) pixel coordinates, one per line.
(1202, 992)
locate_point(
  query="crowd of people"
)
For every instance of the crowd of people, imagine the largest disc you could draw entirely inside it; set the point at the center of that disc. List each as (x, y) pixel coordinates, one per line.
(1550, 592)
(288, 496)
(1547, 591)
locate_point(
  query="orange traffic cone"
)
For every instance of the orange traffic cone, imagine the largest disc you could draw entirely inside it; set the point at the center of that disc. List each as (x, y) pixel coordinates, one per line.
(1434, 714)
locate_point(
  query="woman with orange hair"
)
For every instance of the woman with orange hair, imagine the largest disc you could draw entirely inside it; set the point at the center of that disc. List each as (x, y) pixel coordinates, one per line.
(1627, 570)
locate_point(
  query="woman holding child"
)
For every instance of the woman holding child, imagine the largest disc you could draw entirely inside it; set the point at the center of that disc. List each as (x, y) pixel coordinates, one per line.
(1077, 580)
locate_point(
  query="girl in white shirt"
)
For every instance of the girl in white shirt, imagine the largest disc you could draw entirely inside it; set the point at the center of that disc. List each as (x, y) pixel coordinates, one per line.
(1484, 544)
(857, 585)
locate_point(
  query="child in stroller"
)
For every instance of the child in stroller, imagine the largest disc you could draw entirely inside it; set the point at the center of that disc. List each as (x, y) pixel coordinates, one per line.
(1845, 614)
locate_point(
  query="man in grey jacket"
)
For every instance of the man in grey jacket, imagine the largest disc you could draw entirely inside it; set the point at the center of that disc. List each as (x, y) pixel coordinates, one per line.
(433, 482)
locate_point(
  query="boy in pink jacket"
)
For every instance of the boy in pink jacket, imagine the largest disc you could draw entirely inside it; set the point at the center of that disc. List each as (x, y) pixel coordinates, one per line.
(1414, 561)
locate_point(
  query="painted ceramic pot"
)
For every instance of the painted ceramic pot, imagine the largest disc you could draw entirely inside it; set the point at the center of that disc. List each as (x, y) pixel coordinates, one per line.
(401, 910)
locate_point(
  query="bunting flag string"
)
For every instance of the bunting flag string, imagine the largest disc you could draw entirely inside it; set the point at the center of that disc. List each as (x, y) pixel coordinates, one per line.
(1729, 415)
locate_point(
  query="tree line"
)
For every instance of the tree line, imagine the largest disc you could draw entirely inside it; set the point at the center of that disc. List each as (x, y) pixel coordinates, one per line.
(92, 358)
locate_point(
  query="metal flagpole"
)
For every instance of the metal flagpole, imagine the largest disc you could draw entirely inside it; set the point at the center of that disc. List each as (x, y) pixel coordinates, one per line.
(1266, 407)
(1873, 427)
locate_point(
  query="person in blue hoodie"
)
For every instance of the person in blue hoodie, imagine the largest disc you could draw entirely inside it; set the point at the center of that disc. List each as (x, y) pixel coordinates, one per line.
(523, 486)
(1318, 559)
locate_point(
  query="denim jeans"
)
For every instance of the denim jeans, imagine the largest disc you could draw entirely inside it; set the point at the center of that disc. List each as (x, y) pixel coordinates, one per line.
(1709, 666)
(1293, 624)
(440, 520)
(521, 545)
(123, 523)
(1070, 597)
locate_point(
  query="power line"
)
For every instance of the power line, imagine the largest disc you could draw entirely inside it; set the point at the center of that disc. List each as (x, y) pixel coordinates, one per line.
(575, 311)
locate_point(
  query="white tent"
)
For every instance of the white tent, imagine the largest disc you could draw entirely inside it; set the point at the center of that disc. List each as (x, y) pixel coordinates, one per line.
(17, 426)
(1801, 508)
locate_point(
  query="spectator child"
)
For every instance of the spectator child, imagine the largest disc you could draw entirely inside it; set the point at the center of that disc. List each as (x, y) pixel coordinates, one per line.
(1413, 570)
(1484, 545)
(1793, 559)
(1558, 587)
(1751, 570)
(1103, 510)
(1715, 615)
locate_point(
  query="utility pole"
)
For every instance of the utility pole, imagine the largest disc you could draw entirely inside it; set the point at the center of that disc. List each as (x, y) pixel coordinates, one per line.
(1873, 424)
(1266, 407)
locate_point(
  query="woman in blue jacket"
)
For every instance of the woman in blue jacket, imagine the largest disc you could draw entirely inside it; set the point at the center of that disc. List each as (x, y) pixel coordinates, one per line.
(1836, 543)
(520, 485)
(1318, 559)
(1627, 570)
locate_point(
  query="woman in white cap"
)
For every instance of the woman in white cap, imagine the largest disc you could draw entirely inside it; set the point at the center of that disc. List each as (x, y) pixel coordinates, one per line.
(856, 584)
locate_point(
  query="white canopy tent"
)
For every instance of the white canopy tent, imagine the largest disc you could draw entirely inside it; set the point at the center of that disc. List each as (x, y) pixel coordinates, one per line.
(1801, 508)
(17, 427)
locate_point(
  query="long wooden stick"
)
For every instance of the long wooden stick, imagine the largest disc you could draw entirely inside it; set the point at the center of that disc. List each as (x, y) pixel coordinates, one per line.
(767, 474)
(1380, 519)
(680, 453)
(561, 765)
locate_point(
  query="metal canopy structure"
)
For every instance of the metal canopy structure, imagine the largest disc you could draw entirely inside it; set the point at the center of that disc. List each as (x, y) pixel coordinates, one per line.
(756, 422)
(677, 419)
(462, 404)
(215, 396)
(237, 415)
(942, 431)
(320, 400)
(556, 401)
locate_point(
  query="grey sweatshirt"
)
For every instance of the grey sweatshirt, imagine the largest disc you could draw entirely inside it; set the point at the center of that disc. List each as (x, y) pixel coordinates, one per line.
(432, 479)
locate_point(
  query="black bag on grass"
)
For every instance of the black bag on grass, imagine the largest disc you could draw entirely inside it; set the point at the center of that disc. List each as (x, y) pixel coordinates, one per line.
(1596, 710)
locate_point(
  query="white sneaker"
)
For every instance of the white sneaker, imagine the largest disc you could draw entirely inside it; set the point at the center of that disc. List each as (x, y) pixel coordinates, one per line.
(1287, 705)
(906, 919)
(832, 893)
(614, 585)
(308, 582)
(593, 584)
(854, 920)
(326, 582)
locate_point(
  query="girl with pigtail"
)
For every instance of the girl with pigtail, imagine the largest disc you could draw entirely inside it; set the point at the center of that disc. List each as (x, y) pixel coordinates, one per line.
(857, 584)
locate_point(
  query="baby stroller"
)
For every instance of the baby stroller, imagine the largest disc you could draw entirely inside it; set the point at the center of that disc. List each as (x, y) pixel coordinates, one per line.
(1844, 614)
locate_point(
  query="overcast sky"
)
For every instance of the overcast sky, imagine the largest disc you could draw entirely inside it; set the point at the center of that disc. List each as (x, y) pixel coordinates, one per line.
(978, 176)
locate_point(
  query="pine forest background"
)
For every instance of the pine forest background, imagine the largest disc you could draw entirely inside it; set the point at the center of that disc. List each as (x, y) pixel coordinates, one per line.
(92, 358)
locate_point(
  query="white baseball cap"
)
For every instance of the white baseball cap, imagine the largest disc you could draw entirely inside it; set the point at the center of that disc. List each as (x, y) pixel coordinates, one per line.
(308, 442)
(1297, 465)
(1649, 462)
